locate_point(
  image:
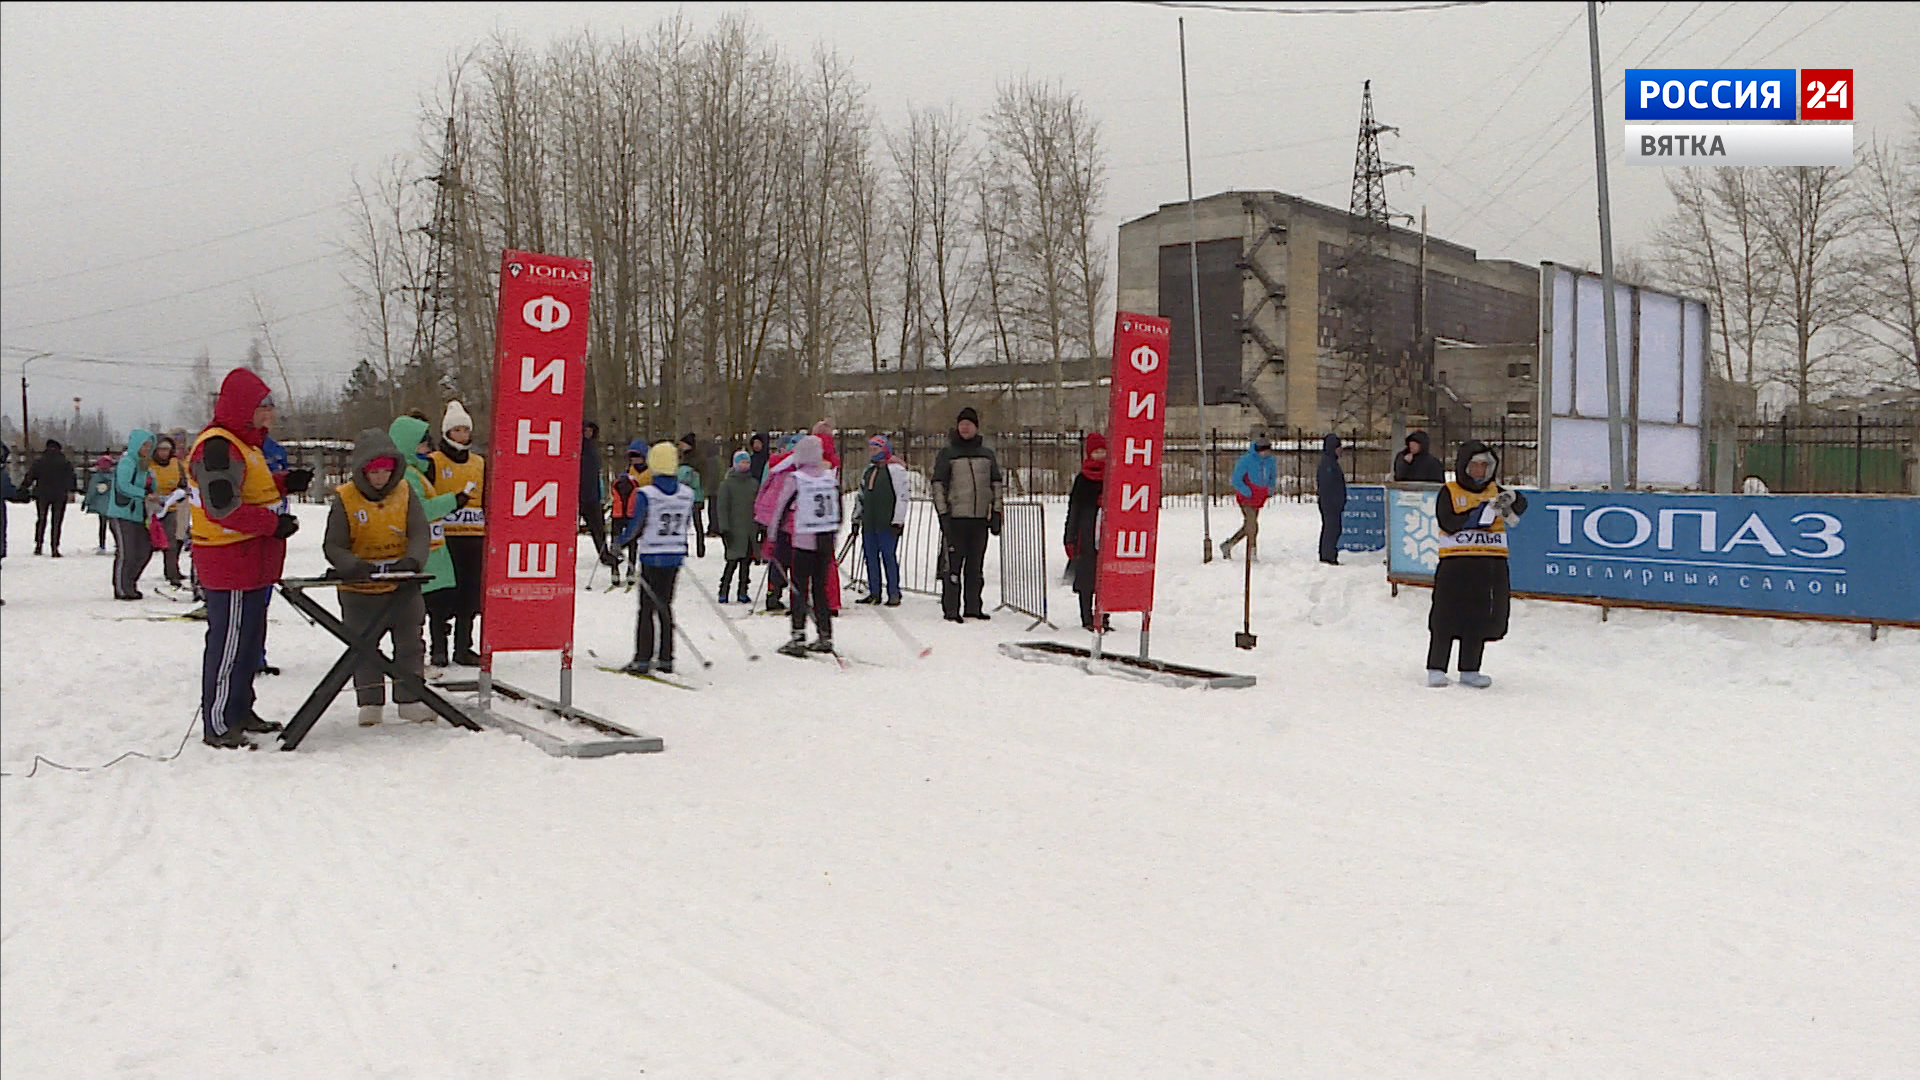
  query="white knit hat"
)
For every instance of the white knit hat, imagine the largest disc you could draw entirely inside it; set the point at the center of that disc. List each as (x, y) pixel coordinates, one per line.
(456, 417)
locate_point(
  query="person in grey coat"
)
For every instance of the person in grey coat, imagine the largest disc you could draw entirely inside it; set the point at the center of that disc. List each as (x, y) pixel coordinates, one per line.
(376, 524)
(967, 491)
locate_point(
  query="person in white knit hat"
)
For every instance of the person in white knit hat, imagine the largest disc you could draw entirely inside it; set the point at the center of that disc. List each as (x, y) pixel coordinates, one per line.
(457, 468)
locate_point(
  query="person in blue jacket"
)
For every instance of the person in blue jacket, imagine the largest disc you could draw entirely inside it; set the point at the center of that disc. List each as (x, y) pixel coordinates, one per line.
(1255, 476)
(1331, 481)
(662, 510)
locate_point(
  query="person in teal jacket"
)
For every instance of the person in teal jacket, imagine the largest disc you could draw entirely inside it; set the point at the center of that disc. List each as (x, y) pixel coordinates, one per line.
(409, 433)
(129, 506)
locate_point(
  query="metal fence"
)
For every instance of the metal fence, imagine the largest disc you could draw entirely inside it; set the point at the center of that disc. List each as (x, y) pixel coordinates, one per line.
(1044, 463)
(1861, 457)
(919, 553)
(1023, 559)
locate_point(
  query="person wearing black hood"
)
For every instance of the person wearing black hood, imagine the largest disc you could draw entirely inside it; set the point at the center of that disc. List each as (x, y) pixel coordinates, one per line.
(757, 455)
(52, 482)
(967, 491)
(1331, 480)
(1470, 586)
(593, 490)
(1416, 463)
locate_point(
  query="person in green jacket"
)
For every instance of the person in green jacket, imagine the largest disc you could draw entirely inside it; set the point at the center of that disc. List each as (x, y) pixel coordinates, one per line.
(409, 433)
(689, 476)
(128, 505)
(733, 520)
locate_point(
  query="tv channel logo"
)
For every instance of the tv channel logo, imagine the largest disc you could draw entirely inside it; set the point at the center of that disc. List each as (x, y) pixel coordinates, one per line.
(1711, 94)
(1778, 94)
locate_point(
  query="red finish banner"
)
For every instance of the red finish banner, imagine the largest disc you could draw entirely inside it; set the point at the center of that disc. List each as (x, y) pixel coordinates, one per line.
(1136, 432)
(533, 477)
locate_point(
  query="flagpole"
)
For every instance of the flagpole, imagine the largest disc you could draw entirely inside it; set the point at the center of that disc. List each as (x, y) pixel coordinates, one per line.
(1193, 278)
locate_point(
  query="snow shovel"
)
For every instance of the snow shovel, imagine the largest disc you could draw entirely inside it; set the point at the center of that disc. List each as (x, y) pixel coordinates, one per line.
(1244, 638)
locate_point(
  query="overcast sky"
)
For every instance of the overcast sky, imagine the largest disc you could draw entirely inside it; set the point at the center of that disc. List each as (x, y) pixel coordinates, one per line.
(159, 162)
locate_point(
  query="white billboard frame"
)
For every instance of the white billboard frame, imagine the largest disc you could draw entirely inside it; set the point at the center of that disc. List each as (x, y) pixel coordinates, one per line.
(1664, 356)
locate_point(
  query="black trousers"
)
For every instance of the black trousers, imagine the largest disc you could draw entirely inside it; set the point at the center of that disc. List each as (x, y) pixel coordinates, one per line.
(746, 577)
(699, 531)
(1330, 528)
(965, 575)
(444, 613)
(54, 513)
(596, 522)
(810, 586)
(656, 610)
(1439, 649)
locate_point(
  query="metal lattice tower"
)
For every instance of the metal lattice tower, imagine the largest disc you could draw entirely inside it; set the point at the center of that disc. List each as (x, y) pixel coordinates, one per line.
(1374, 385)
(436, 331)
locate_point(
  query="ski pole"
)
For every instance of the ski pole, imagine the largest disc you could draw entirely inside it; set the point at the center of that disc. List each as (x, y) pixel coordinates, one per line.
(919, 649)
(678, 630)
(738, 637)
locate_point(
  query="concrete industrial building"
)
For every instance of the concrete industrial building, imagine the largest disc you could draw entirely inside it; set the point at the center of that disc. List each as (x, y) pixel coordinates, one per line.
(1269, 266)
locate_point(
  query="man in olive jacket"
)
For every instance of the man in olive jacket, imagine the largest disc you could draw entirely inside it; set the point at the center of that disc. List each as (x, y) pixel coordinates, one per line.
(967, 490)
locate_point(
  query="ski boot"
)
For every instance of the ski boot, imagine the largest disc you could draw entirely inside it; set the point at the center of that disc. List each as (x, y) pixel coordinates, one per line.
(796, 645)
(724, 598)
(253, 724)
(637, 666)
(821, 644)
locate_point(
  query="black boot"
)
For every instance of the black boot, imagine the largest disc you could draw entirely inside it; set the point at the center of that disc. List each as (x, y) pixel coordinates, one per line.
(795, 646)
(255, 724)
(232, 740)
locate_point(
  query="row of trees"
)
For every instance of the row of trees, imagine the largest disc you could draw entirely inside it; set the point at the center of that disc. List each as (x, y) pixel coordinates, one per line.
(753, 225)
(1812, 274)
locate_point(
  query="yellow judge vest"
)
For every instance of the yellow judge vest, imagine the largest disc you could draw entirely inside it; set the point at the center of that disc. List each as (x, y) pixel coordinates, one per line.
(256, 489)
(378, 529)
(167, 478)
(452, 476)
(1475, 539)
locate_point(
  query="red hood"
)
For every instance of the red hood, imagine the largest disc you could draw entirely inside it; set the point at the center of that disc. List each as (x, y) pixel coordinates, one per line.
(241, 392)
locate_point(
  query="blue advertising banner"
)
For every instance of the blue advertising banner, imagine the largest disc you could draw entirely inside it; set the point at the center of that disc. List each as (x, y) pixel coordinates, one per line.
(1808, 556)
(1363, 525)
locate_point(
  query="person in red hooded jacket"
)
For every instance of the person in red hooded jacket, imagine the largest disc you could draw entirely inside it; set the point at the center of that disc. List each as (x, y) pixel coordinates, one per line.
(239, 549)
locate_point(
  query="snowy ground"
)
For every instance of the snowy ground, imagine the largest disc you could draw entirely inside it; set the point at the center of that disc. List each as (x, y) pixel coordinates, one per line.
(1662, 846)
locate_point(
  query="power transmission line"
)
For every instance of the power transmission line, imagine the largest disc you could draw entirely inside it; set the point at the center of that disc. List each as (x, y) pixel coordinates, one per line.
(1201, 5)
(210, 241)
(136, 305)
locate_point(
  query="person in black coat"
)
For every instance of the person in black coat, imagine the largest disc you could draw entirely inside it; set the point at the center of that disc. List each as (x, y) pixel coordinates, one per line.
(1471, 600)
(52, 482)
(757, 455)
(1082, 537)
(1416, 463)
(1331, 480)
(593, 492)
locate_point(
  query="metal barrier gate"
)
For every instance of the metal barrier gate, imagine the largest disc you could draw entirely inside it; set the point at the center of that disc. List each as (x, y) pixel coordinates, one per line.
(1023, 560)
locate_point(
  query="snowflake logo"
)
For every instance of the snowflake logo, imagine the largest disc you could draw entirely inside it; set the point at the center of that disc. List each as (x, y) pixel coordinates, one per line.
(1419, 533)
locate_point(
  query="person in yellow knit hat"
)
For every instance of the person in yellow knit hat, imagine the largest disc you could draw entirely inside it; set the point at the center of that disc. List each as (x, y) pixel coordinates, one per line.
(376, 524)
(457, 467)
(1470, 586)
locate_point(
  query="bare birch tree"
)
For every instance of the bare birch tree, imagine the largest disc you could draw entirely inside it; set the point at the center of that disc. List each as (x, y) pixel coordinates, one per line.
(1889, 270)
